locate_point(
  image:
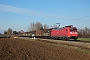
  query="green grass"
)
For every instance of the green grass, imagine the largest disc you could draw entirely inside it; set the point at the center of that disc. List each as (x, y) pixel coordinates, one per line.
(84, 39)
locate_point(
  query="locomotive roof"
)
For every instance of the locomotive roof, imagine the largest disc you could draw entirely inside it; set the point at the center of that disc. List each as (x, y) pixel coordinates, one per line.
(59, 28)
(65, 27)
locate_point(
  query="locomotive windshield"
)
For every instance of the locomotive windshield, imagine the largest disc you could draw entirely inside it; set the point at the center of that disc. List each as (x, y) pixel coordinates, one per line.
(73, 29)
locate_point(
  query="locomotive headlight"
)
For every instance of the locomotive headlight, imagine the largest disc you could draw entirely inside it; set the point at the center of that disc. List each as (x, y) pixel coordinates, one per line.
(76, 33)
(70, 32)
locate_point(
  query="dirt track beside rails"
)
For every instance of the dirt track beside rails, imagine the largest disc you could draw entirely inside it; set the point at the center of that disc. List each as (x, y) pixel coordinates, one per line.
(19, 49)
(83, 45)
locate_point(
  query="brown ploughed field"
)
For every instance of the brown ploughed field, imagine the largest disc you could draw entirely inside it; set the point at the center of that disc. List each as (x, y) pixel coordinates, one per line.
(20, 49)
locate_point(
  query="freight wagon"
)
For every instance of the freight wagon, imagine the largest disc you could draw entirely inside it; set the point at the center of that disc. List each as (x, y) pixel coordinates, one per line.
(27, 34)
(45, 33)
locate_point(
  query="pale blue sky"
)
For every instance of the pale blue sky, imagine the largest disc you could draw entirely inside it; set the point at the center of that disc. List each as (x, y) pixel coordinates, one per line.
(17, 14)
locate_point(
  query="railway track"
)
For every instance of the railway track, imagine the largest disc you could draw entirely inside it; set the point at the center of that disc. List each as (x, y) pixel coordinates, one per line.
(77, 43)
(80, 44)
(63, 40)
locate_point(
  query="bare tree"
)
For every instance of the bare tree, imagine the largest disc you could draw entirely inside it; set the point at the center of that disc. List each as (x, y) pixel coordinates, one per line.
(35, 26)
(5, 32)
(38, 25)
(32, 26)
(51, 26)
(21, 31)
(55, 26)
(15, 33)
(85, 32)
(46, 26)
(9, 31)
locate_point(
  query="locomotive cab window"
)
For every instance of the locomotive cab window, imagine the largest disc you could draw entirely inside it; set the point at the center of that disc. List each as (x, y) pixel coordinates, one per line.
(73, 29)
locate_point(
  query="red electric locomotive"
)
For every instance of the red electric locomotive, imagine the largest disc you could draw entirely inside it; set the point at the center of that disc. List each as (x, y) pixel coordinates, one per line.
(67, 32)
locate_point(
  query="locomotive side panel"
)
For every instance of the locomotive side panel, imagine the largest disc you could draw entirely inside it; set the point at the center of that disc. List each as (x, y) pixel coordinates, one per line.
(66, 33)
(59, 33)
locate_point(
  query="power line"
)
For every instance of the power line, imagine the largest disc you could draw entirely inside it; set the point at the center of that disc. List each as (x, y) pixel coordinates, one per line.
(82, 11)
(82, 17)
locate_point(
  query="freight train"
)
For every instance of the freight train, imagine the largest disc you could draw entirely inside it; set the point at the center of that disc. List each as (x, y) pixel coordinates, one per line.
(65, 33)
